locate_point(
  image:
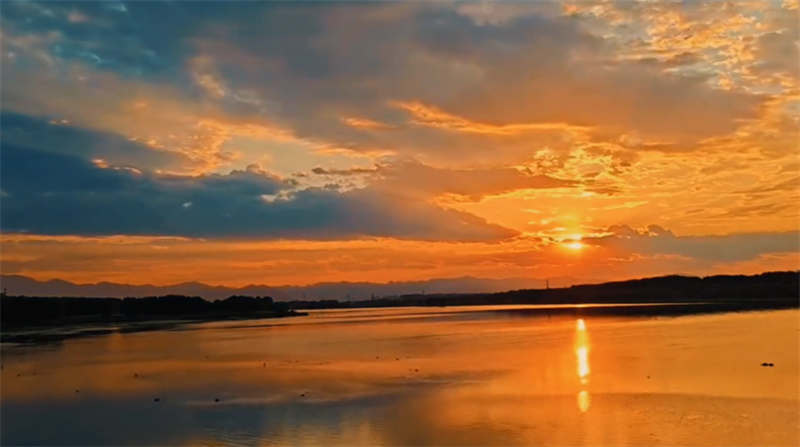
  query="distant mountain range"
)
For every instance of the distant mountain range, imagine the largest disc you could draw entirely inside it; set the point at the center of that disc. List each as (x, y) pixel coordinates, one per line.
(23, 285)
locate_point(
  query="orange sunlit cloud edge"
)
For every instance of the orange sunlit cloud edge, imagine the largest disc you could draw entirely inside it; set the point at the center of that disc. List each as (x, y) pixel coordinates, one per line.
(434, 179)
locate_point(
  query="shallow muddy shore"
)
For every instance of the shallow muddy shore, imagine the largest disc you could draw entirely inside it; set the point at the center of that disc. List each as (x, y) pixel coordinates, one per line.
(59, 331)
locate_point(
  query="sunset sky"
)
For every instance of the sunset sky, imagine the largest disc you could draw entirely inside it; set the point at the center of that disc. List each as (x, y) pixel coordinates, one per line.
(293, 143)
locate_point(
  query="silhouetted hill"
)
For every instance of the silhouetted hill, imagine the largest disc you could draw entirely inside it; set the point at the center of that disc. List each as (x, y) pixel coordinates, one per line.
(22, 285)
(784, 286)
(773, 290)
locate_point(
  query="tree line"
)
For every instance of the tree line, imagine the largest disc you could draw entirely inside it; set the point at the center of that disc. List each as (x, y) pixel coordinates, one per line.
(22, 310)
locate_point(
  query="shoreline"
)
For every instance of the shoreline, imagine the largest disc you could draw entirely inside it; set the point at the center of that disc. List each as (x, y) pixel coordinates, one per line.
(54, 333)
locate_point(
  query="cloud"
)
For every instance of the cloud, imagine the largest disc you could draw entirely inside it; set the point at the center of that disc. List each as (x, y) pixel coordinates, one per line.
(778, 49)
(142, 260)
(415, 120)
(473, 184)
(655, 240)
(532, 72)
(430, 116)
(793, 166)
(792, 184)
(64, 138)
(344, 172)
(54, 194)
(760, 210)
(411, 177)
(500, 77)
(42, 79)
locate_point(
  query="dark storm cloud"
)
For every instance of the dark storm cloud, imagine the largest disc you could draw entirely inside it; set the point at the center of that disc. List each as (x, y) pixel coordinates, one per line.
(56, 194)
(53, 135)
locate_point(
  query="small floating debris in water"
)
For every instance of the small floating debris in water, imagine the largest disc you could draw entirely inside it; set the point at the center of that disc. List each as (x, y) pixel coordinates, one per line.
(77, 391)
(135, 375)
(770, 365)
(765, 364)
(397, 359)
(302, 394)
(264, 365)
(648, 377)
(156, 400)
(216, 400)
(416, 370)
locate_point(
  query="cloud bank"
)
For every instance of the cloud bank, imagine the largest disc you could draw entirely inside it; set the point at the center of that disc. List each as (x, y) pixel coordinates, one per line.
(458, 137)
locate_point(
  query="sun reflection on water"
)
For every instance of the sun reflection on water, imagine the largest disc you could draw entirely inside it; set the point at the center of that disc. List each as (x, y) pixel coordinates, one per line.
(583, 363)
(584, 401)
(582, 354)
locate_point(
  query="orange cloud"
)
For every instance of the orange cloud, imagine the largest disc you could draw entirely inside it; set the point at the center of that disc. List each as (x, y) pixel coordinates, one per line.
(363, 123)
(158, 116)
(431, 116)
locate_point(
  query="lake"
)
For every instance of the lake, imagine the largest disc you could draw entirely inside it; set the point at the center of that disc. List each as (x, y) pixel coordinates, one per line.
(414, 377)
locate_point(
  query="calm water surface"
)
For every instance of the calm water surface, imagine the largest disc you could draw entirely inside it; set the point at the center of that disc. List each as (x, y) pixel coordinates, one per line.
(413, 377)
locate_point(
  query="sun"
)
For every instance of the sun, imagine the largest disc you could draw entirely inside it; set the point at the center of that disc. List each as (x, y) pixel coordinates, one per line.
(574, 245)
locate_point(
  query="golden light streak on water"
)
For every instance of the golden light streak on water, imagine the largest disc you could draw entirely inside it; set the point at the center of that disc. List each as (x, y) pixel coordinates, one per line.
(582, 354)
(583, 363)
(584, 401)
(582, 350)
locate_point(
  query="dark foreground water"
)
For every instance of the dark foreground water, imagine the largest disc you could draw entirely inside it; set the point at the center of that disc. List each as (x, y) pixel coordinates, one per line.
(413, 377)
